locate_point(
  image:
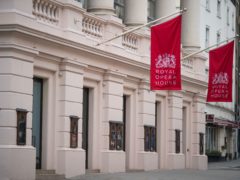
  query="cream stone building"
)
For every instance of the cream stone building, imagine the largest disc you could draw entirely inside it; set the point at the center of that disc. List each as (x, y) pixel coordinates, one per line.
(70, 106)
(218, 23)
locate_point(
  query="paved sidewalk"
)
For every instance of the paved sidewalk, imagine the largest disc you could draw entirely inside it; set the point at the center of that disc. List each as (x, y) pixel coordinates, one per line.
(229, 170)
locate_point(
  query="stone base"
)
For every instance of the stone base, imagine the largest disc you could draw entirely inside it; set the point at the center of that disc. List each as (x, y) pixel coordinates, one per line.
(113, 161)
(176, 161)
(200, 162)
(70, 162)
(17, 162)
(147, 161)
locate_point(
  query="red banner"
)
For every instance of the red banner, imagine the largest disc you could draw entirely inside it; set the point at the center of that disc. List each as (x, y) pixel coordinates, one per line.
(165, 55)
(220, 74)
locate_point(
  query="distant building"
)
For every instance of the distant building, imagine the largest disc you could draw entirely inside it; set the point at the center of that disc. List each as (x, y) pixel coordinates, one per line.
(218, 24)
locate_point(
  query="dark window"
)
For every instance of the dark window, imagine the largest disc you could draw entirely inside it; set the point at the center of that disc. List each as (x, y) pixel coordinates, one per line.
(149, 138)
(21, 126)
(84, 3)
(201, 143)
(116, 136)
(151, 10)
(74, 131)
(119, 8)
(177, 132)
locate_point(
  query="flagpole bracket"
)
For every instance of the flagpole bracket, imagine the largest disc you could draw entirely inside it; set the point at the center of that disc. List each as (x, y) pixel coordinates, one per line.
(184, 10)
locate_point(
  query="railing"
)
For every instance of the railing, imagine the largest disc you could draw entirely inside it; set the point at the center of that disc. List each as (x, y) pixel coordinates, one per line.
(46, 11)
(187, 63)
(130, 41)
(92, 27)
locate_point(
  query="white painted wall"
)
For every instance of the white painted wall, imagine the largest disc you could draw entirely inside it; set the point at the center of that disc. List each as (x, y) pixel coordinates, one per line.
(218, 24)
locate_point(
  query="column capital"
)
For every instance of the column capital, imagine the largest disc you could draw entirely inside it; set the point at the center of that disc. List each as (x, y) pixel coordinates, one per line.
(72, 65)
(111, 75)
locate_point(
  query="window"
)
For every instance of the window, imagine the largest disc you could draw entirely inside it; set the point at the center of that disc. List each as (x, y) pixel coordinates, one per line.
(233, 21)
(84, 3)
(207, 5)
(211, 138)
(218, 37)
(21, 126)
(219, 8)
(119, 8)
(149, 138)
(151, 10)
(201, 143)
(178, 4)
(207, 36)
(116, 136)
(177, 142)
(73, 131)
(228, 16)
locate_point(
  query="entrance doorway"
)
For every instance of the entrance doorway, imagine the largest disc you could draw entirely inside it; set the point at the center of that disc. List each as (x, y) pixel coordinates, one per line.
(85, 123)
(37, 120)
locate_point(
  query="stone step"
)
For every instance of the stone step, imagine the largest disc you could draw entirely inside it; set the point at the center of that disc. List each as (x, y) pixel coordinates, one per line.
(92, 171)
(48, 175)
(45, 172)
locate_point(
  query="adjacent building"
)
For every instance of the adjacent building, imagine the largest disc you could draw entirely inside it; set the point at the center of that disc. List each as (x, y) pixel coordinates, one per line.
(218, 24)
(70, 105)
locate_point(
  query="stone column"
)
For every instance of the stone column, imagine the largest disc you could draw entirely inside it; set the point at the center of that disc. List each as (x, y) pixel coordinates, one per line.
(136, 12)
(198, 126)
(17, 160)
(24, 6)
(174, 122)
(191, 24)
(70, 161)
(112, 161)
(146, 102)
(166, 7)
(102, 7)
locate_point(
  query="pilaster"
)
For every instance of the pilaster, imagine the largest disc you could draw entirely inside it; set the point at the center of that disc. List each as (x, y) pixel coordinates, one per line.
(16, 73)
(175, 118)
(146, 101)
(70, 104)
(113, 112)
(199, 126)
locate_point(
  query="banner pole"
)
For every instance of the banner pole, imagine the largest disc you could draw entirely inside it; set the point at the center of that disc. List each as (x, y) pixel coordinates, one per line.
(139, 27)
(197, 52)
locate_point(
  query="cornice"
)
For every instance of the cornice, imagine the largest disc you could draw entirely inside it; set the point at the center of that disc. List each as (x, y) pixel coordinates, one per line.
(72, 44)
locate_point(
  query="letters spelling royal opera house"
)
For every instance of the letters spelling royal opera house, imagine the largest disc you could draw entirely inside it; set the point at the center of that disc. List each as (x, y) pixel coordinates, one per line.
(70, 105)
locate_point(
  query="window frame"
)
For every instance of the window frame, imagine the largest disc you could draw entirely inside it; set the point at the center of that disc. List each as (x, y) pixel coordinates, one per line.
(151, 12)
(211, 138)
(21, 133)
(201, 143)
(219, 8)
(207, 36)
(177, 141)
(150, 144)
(121, 11)
(116, 129)
(218, 37)
(228, 15)
(233, 21)
(208, 5)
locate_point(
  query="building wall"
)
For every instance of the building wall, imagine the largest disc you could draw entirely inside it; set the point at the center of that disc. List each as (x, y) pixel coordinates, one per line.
(227, 29)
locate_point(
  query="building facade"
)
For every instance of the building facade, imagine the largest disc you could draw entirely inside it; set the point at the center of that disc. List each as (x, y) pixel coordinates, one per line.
(70, 105)
(218, 23)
